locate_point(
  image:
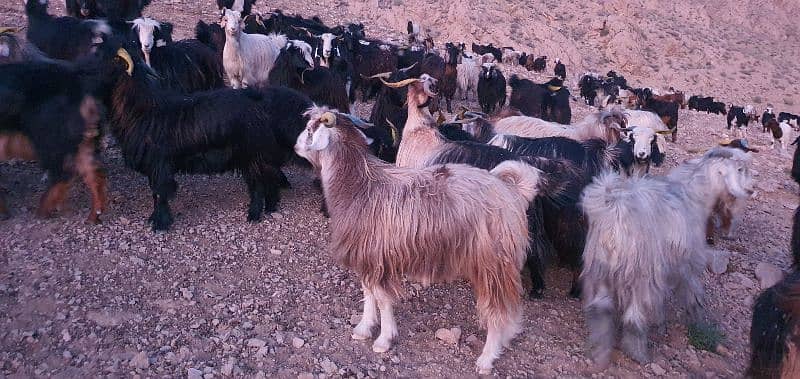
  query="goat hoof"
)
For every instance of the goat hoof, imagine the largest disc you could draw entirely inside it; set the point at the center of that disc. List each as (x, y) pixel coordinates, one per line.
(94, 221)
(381, 346)
(575, 292)
(254, 217)
(360, 337)
(536, 294)
(4, 216)
(484, 365)
(710, 241)
(161, 223)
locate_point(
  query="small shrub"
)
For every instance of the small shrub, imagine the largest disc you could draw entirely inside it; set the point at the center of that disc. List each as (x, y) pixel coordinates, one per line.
(757, 99)
(705, 336)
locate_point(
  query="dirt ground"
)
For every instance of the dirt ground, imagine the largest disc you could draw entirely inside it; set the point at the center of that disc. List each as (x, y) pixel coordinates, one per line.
(217, 296)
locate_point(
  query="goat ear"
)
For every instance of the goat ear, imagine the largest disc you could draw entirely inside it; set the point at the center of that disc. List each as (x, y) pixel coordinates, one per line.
(320, 139)
(656, 156)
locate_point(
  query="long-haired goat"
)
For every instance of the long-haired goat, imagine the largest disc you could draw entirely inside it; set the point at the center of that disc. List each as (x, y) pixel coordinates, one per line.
(66, 38)
(162, 134)
(248, 58)
(449, 83)
(781, 134)
(606, 125)
(422, 230)
(491, 88)
(775, 329)
(185, 66)
(631, 258)
(468, 73)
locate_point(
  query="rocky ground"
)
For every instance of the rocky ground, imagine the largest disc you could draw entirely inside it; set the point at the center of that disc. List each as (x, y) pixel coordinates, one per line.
(219, 297)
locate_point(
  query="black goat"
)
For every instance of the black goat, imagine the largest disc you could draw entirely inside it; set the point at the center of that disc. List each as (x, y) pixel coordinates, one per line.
(162, 134)
(786, 116)
(484, 49)
(49, 112)
(243, 6)
(667, 111)
(65, 38)
(292, 70)
(548, 101)
(211, 35)
(14, 49)
(560, 70)
(491, 88)
(537, 65)
(390, 113)
(775, 329)
(113, 10)
(370, 58)
(185, 66)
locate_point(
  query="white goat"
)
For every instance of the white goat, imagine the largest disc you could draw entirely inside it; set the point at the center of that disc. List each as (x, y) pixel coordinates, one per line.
(606, 125)
(645, 235)
(468, 72)
(435, 224)
(145, 29)
(248, 58)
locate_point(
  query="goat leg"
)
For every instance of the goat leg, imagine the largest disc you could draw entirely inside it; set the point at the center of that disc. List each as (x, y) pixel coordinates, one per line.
(94, 179)
(164, 188)
(257, 194)
(54, 197)
(3, 208)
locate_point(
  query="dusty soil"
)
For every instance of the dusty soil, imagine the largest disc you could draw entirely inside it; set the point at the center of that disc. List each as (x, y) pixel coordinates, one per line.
(219, 296)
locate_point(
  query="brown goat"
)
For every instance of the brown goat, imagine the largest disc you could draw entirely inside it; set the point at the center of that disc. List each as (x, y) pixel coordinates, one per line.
(437, 224)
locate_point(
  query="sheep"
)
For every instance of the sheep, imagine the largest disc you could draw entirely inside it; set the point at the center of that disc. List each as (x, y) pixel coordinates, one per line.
(416, 235)
(161, 134)
(50, 112)
(645, 233)
(491, 88)
(244, 7)
(248, 58)
(775, 327)
(113, 10)
(185, 66)
(468, 74)
(65, 38)
(294, 68)
(606, 125)
(548, 101)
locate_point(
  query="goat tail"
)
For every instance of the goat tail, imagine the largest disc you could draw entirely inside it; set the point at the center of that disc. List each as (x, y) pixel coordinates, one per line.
(524, 178)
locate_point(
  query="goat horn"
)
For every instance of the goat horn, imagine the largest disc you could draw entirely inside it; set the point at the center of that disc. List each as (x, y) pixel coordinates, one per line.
(399, 84)
(664, 132)
(328, 119)
(408, 68)
(384, 75)
(122, 53)
(9, 30)
(393, 130)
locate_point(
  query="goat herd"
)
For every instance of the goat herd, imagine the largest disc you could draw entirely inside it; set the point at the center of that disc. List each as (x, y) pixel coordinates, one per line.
(408, 196)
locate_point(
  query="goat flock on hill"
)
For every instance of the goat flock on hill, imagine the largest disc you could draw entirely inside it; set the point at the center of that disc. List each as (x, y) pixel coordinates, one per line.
(409, 195)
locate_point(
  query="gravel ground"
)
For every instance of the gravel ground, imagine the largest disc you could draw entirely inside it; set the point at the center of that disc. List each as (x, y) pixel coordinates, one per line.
(217, 296)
